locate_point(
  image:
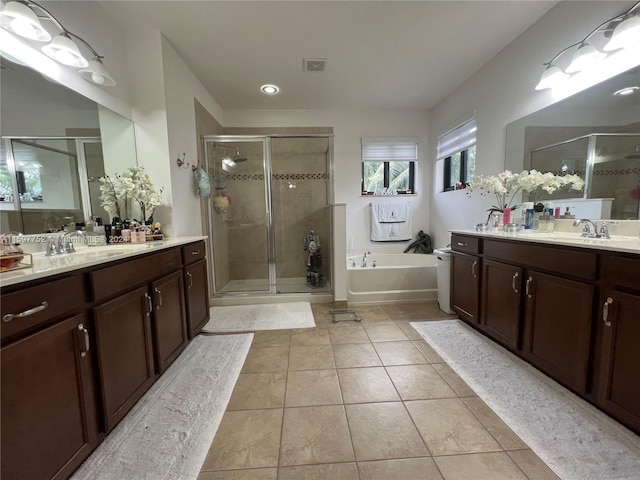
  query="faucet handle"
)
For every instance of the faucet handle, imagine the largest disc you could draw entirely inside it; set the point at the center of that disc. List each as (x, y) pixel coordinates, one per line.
(52, 249)
(604, 228)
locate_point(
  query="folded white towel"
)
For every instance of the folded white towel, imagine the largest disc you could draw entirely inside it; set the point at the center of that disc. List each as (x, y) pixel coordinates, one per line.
(390, 231)
(391, 212)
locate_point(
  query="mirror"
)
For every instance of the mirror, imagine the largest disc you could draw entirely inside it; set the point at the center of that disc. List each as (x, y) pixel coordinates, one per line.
(594, 134)
(55, 145)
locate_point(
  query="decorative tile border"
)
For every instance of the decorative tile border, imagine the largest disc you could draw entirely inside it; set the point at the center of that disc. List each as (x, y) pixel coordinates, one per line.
(277, 176)
(617, 171)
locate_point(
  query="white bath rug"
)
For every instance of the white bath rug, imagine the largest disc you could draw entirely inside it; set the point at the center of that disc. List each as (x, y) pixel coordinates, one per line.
(573, 438)
(168, 432)
(268, 316)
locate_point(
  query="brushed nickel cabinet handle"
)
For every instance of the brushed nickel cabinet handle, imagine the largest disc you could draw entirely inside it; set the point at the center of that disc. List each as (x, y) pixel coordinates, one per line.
(10, 316)
(463, 244)
(526, 287)
(149, 302)
(190, 277)
(159, 296)
(513, 282)
(85, 335)
(195, 252)
(605, 311)
(473, 269)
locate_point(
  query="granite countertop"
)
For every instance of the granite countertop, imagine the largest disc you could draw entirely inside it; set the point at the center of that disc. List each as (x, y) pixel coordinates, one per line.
(617, 243)
(84, 257)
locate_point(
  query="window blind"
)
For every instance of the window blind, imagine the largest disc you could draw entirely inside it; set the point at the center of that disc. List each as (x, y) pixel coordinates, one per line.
(458, 139)
(389, 149)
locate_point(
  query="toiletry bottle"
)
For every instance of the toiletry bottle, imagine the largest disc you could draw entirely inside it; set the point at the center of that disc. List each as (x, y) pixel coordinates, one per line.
(528, 215)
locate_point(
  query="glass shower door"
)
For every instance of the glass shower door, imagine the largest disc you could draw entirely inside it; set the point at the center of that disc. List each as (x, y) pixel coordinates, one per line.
(238, 214)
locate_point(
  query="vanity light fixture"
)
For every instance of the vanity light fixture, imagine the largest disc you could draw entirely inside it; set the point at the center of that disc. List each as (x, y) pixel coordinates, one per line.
(624, 33)
(20, 18)
(269, 89)
(626, 91)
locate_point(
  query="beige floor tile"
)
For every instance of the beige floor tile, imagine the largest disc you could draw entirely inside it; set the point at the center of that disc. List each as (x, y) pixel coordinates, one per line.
(272, 338)
(310, 336)
(408, 311)
(500, 430)
(251, 474)
(428, 351)
(331, 471)
(258, 390)
(383, 431)
(385, 333)
(408, 330)
(314, 435)
(479, 466)
(366, 385)
(348, 334)
(448, 427)
(311, 357)
(312, 387)
(531, 465)
(399, 353)
(453, 379)
(356, 355)
(245, 439)
(399, 469)
(266, 359)
(419, 382)
(373, 315)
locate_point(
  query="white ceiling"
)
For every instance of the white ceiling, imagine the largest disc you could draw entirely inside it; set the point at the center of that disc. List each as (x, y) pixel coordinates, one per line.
(381, 54)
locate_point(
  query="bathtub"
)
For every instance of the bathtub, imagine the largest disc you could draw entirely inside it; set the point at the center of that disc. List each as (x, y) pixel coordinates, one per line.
(396, 277)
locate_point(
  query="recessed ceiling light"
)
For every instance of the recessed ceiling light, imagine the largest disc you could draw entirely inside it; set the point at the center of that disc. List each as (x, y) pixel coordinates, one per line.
(627, 91)
(269, 89)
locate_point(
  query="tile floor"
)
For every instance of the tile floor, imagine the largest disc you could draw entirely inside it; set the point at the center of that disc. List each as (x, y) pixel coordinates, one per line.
(368, 400)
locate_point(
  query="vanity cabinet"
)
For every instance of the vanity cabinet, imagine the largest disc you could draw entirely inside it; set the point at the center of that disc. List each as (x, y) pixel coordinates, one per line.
(619, 319)
(49, 423)
(196, 287)
(466, 269)
(169, 319)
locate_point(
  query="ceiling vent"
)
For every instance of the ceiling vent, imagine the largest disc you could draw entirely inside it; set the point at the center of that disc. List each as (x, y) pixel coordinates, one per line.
(314, 64)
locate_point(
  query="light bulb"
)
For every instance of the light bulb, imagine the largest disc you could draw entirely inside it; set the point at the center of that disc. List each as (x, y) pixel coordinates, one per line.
(97, 78)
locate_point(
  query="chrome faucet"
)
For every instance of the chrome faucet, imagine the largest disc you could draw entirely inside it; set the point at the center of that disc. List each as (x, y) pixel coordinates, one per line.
(364, 259)
(65, 244)
(586, 230)
(604, 228)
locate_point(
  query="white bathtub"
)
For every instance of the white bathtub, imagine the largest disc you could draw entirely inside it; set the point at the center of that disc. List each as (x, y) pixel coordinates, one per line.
(396, 277)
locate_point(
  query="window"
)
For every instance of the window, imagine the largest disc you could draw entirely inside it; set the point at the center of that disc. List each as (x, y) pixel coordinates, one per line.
(388, 165)
(458, 150)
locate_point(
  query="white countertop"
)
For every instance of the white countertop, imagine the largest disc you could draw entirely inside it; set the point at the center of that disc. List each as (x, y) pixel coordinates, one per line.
(617, 243)
(84, 256)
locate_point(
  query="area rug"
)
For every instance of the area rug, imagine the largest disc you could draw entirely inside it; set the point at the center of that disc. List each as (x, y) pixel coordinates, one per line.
(573, 438)
(168, 433)
(252, 318)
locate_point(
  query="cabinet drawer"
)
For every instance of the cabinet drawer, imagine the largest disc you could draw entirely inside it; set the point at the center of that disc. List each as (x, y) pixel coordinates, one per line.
(111, 280)
(462, 243)
(623, 271)
(40, 304)
(193, 252)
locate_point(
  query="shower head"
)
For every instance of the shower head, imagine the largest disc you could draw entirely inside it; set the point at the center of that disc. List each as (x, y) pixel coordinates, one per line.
(635, 155)
(237, 158)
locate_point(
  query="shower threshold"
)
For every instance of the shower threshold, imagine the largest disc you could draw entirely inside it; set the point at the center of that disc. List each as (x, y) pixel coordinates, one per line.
(344, 315)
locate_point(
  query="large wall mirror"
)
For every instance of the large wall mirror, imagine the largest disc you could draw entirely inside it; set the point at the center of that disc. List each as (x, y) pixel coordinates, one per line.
(55, 145)
(595, 134)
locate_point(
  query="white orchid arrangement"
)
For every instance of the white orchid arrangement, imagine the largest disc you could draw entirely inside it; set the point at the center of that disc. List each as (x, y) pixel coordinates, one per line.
(133, 184)
(506, 185)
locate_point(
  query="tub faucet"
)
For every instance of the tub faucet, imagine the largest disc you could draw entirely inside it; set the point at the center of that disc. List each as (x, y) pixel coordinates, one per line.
(364, 259)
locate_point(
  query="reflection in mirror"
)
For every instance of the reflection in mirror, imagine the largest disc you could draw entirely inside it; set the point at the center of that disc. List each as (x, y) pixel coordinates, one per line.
(55, 145)
(593, 134)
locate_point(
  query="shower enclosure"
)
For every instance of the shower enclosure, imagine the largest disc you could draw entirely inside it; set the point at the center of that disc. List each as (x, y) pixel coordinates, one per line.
(269, 195)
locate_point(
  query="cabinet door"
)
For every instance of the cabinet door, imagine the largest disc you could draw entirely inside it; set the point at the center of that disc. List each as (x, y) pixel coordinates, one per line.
(48, 410)
(620, 382)
(169, 319)
(558, 325)
(465, 283)
(197, 296)
(125, 352)
(501, 294)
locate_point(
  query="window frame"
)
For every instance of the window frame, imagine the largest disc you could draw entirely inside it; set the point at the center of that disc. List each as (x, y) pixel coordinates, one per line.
(462, 174)
(458, 140)
(386, 178)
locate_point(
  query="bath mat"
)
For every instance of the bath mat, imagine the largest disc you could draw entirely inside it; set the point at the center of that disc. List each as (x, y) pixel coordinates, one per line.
(168, 432)
(572, 437)
(268, 316)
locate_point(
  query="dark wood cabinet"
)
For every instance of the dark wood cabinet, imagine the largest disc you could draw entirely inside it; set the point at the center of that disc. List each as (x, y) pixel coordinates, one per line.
(49, 423)
(465, 269)
(196, 296)
(124, 352)
(558, 327)
(169, 319)
(501, 302)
